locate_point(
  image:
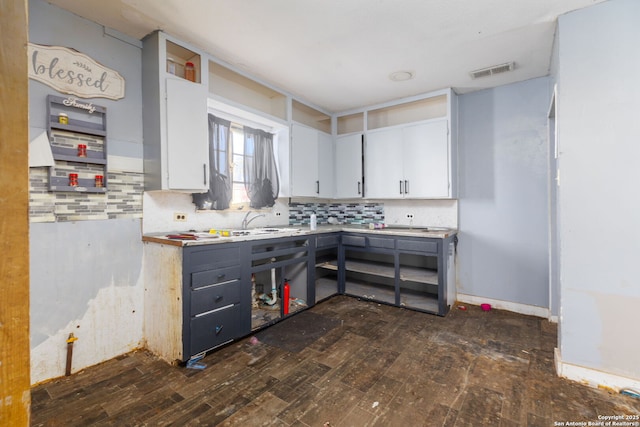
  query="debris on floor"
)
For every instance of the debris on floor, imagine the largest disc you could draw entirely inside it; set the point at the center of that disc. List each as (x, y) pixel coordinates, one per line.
(256, 350)
(630, 392)
(194, 362)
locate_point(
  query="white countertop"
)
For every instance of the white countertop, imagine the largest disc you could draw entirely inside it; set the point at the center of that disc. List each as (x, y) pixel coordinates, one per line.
(205, 238)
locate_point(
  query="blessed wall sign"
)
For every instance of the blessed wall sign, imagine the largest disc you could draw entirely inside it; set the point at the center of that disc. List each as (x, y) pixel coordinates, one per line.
(69, 71)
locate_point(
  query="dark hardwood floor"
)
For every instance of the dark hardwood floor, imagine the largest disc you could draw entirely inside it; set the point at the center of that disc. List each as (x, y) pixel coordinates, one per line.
(344, 362)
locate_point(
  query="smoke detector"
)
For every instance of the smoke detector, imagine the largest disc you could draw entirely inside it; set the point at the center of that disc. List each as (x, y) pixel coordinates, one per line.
(494, 69)
(401, 76)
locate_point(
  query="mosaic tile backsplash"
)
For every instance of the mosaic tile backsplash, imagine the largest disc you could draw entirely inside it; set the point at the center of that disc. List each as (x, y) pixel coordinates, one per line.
(122, 200)
(345, 213)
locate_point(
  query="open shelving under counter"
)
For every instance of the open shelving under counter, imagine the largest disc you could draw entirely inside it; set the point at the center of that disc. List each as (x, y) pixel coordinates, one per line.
(401, 271)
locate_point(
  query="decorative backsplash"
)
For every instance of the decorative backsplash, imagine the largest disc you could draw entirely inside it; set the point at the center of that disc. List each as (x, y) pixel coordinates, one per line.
(346, 213)
(122, 200)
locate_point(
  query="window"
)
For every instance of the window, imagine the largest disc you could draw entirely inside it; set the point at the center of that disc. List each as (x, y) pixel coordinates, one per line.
(242, 167)
(239, 158)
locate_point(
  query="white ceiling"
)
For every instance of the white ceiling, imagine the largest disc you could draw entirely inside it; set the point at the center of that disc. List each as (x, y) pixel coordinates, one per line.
(338, 54)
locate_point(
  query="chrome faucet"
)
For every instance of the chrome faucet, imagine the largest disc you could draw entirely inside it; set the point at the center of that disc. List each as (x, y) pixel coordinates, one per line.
(245, 222)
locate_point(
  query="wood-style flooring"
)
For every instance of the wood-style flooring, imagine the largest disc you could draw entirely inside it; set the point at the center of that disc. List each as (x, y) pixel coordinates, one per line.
(375, 365)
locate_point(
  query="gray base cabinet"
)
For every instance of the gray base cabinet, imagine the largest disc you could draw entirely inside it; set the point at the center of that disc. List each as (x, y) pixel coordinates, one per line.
(406, 272)
(203, 296)
(217, 302)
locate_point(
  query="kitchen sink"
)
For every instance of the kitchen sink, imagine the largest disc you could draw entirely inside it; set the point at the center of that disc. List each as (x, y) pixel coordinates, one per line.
(263, 230)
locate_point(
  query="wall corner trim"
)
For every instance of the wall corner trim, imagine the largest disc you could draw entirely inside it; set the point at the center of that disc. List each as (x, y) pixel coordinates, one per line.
(530, 310)
(593, 377)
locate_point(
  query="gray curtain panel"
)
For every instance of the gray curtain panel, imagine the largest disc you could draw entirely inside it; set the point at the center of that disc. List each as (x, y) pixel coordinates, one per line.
(260, 170)
(219, 195)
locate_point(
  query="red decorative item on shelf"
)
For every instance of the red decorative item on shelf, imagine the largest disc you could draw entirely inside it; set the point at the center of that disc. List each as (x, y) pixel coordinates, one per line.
(82, 150)
(285, 296)
(99, 181)
(73, 179)
(190, 72)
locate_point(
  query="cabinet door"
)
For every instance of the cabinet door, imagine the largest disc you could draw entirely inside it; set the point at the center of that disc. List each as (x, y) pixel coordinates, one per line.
(383, 164)
(304, 161)
(325, 165)
(187, 136)
(426, 160)
(348, 166)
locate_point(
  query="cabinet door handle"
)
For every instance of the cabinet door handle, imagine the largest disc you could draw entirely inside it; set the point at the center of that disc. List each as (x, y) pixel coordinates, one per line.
(318, 187)
(359, 192)
(219, 329)
(204, 172)
(406, 187)
(400, 186)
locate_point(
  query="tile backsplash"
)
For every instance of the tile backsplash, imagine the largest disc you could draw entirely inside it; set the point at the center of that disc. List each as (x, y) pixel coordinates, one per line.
(122, 200)
(345, 213)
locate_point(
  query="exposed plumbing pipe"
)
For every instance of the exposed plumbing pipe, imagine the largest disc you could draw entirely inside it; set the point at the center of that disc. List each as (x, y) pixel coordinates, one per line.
(274, 291)
(70, 341)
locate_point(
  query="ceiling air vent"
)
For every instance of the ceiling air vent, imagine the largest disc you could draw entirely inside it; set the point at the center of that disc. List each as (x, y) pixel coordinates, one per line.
(495, 69)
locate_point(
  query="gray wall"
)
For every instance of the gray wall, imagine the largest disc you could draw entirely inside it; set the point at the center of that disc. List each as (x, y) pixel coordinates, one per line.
(86, 275)
(503, 207)
(599, 206)
(50, 25)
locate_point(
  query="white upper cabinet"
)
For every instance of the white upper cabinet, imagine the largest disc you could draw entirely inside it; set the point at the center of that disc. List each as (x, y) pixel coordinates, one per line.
(174, 111)
(383, 164)
(426, 160)
(408, 161)
(400, 149)
(311, 162)
(410, 149)
(348, 166)
(326, 170)
(187, 146)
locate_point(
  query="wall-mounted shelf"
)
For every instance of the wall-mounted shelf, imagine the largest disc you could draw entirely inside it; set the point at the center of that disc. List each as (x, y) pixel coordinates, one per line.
(408, 112)
(350, 123)
(82, 123)
(306, 115)
(177, 58)
(242, 90)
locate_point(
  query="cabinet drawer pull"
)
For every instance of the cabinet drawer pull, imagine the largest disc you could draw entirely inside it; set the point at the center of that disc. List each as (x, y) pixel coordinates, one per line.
(219, 329)
(218, 298)
(221, 276)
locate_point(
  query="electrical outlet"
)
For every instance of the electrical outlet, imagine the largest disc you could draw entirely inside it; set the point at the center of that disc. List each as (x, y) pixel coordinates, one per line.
(410, 215)
(180, 216)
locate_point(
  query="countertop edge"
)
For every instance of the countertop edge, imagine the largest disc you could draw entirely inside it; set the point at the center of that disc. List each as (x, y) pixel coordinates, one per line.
(417, 232)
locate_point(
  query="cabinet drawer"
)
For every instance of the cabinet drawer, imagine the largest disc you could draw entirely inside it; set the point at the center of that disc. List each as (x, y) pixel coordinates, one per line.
(213, 297)
(215, 328)
(377, 242)
(354, 241)
(213, 256)
(418, 245)
(324, 241)
(211, 277)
